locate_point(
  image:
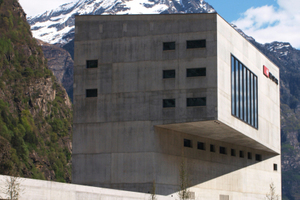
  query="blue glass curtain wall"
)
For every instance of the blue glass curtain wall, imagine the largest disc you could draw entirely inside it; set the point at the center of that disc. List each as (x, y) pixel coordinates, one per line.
(244, 103)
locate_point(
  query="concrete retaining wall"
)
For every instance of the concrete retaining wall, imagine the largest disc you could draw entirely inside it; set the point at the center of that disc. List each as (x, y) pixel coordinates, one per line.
(49, 190)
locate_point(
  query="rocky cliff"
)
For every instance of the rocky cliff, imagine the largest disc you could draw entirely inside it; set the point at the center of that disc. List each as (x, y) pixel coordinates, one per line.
(35, 110)
(61, 64)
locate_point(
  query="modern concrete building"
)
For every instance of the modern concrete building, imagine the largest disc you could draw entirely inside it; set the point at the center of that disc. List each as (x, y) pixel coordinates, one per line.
(155, 92)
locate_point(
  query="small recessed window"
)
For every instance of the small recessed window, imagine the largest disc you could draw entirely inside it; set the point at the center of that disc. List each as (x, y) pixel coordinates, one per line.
(258, 157)
(193, 72)
(275, 167)
(91, 93)
(91, 63)
(212, 148)
(187, 143)
(222, 150)
(201, 145)
(168, 103)
(168, 46)
(169, 73)
(232, 152)
(241, 154)
(192, 44)
(201, 101)
(249, 155)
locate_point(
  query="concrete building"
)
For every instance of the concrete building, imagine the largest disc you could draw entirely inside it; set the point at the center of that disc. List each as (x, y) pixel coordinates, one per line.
(153, 93)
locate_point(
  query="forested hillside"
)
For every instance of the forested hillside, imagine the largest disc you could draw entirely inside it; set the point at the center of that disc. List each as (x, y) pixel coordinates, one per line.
(35, 111)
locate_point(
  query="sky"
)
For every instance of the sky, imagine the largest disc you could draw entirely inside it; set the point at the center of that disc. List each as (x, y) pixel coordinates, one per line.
(265, 20)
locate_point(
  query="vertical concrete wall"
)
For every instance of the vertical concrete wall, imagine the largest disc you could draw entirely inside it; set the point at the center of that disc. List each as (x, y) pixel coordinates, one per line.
(230, 42)
(114, 142)
(31, 189)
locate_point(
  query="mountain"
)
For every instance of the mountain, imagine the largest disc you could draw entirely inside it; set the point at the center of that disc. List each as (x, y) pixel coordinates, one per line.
(35, 110)
(57, 26)
(60, 63)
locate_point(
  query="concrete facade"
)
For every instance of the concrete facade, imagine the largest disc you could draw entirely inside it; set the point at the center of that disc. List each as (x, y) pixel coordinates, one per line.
(125, 139)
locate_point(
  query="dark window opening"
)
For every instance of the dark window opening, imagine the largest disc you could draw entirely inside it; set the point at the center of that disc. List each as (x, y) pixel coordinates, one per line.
(232, 152)
(241, 154)
(275, 167)
(192, 44)
(249, 156)
(91, 63)
(258, 157)
(223, 150)
(201, 101)
(212, 148)
(168, 103)
(168, 46)
(201, 145)
(192, 72)
(187, 143)
(169, 73)
(91, 93)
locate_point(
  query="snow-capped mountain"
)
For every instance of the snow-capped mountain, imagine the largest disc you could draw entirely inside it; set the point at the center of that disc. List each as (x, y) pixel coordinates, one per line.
(57, 26)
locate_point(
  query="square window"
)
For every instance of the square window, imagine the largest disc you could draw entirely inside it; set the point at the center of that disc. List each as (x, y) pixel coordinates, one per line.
(258, 157)
(91, 93)
(169, 73)
(275, 167)
(192, 44)
(194, 72)
(201, 145)
(249, 155)
(212, 148)
(187, 143)
(241, 154)
(168, 103)
(91, 63)
(232, 152)
(168, 46)
(201, 101)
(222, 150)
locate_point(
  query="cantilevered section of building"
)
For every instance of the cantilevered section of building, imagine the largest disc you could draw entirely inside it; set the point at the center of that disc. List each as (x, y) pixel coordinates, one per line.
(153, 92)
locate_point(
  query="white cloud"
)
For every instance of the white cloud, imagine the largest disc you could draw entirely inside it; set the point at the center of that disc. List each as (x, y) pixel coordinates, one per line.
(34, 7)
(268, 23)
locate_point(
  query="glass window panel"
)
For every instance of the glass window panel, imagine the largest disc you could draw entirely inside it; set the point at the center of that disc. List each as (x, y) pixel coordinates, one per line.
(248, 96)
(91, 93)
(236, 65)
(201, 145)
(255, 103)
(91, 63)
(168, 103)
(168, 46)
(195, 72)
(252, 101)
(169, 73)
(245, 93)
(196, 101)
(222, 150)
(232, 87)
(191, 44)
(241, 90)
(187, 143)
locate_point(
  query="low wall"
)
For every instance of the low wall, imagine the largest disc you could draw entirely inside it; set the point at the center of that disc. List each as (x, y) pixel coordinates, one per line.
(33, 189)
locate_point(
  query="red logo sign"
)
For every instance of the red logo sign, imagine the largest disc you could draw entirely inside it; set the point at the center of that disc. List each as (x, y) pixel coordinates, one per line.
(266, 71)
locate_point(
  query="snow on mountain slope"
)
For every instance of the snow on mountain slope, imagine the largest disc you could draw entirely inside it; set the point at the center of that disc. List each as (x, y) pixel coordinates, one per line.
(57, 26)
